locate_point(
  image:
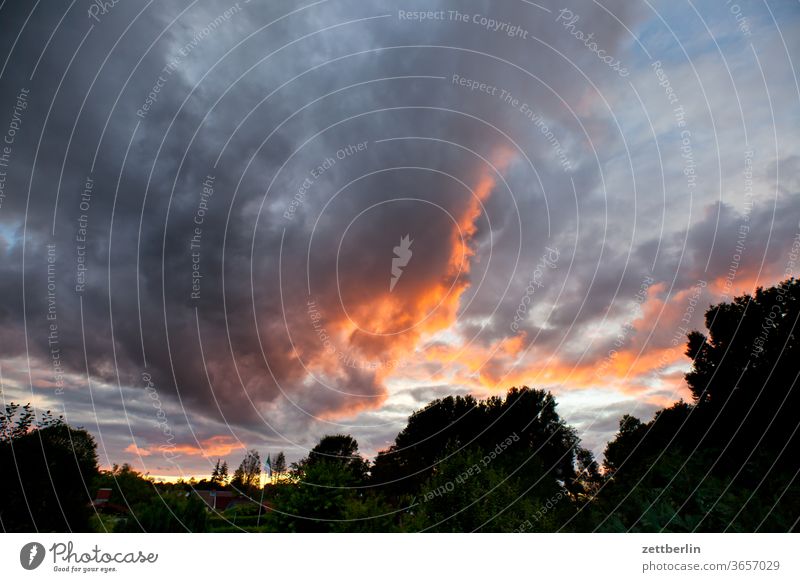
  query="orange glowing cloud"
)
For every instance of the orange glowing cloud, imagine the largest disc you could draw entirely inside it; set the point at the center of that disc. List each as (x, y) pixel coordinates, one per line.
(215, 446)
(631, 367)
(390, 328)
(132, 448)
(745, 281)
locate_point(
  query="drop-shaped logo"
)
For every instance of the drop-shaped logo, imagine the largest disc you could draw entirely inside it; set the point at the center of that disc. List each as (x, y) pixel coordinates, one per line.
(31, 555)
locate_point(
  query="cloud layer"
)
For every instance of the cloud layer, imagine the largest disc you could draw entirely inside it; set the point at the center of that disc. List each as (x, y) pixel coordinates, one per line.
(201, 202)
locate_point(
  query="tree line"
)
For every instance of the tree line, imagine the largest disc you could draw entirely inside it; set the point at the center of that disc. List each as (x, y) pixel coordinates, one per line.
(726, 461)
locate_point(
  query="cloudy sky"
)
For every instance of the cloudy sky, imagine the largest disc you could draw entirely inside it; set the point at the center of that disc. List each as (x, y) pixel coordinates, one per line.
(247, 225)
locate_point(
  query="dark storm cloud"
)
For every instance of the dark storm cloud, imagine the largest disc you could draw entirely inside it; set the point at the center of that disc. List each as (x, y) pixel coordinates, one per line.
(270, 117)
(139, 263)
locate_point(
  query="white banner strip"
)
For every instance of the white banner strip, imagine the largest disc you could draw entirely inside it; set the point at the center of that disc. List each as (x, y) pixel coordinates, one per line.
(423, 557)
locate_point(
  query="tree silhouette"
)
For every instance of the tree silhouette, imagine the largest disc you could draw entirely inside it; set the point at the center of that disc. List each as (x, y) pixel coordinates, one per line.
(341, 450)
(744, 372)
(325, 491)
(48, 469)
(728, 461)
(429, 432)
(279, 466)
(468, 494)
(128, 486)
(453, 423)
(219, 476)
(247, 476)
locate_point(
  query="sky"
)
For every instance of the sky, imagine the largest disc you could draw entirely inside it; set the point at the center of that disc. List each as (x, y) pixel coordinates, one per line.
(227, 226)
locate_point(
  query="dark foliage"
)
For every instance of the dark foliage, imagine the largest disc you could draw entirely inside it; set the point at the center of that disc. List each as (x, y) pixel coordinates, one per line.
(728, 461)
(48, 468)
(174, 511)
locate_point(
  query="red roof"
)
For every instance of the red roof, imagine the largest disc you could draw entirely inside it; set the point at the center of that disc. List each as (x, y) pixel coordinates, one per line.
(217, 500)
(103, 495)
(103, 504)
